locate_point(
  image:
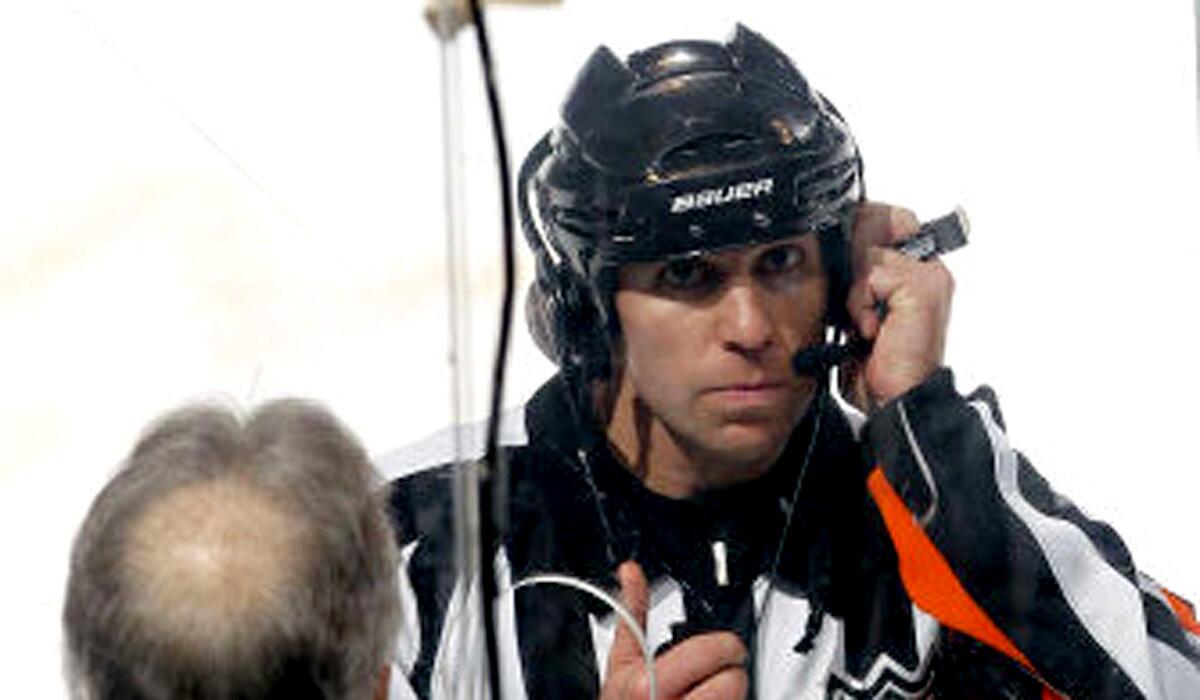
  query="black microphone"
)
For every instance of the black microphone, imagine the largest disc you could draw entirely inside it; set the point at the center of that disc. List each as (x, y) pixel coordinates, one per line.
(816, 360)
(934, 238)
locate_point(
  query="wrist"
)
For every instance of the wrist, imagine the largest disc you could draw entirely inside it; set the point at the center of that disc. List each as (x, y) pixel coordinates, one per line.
(937, 380)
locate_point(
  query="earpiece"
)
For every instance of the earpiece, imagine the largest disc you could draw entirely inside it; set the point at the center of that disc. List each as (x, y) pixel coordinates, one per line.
(564, 320)
(539, 317)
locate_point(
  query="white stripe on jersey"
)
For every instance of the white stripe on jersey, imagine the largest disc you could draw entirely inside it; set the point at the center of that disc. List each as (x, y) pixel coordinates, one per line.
(459, 670)
(439, 448)
(408, 644)
(781, 671)
(1107, 605)
(1178, 676)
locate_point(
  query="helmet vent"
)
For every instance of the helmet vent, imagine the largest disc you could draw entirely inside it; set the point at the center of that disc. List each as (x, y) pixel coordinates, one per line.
(708, 152)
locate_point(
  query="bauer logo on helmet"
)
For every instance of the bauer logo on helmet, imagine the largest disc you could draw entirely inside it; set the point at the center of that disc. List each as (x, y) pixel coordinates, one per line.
(719, 196)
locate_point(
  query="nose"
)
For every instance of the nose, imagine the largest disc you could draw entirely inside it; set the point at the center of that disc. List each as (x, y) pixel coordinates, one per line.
(746, 326)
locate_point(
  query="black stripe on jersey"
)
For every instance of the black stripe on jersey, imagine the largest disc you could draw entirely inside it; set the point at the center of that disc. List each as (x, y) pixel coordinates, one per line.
(1040, 495)
(1161, 622)
(421, 509)
(1164, 626)
(989, 548)
(555, 644)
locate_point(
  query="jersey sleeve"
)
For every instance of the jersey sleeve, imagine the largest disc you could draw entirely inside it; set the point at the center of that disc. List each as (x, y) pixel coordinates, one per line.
(989, 549)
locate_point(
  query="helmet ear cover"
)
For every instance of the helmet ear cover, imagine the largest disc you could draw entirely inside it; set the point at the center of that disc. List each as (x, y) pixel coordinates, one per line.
(566, 323)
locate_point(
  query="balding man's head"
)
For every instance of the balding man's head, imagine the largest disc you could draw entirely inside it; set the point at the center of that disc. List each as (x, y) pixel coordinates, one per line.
(234, 560)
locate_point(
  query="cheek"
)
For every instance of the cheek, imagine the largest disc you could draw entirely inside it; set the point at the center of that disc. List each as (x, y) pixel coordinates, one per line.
(801, 312)
(652, 339)
(657, 341)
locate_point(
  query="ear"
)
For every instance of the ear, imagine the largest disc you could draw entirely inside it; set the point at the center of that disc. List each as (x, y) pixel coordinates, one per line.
(383, 683)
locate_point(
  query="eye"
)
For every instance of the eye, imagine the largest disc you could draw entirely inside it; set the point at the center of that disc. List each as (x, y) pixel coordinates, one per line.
(780, 259)
(687, 274)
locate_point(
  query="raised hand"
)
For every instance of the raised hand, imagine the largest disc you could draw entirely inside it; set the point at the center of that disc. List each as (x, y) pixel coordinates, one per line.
(909, 340)
(709, 666)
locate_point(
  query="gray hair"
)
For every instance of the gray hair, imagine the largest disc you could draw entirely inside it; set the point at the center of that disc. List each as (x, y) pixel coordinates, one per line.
(234, 559)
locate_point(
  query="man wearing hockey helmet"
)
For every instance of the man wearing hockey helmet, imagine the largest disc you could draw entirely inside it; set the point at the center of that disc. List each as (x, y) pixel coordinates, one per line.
(697, 219)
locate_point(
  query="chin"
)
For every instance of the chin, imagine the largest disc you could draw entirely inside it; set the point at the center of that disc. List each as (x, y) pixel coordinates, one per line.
(752, 446)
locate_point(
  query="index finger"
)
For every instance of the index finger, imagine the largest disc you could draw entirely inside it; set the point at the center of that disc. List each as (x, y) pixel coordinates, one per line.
(635, 595)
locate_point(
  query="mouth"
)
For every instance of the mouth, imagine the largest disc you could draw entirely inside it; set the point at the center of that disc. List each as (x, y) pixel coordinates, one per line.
(751, 392)
(750, 387)
(755, 383)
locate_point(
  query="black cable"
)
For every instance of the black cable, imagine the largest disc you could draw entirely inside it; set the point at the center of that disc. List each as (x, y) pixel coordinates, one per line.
(817, 612)
(493, 480)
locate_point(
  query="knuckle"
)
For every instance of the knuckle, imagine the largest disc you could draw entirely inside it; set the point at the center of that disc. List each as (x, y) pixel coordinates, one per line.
(903, 221)
(734, 683)
(868, 211)
(877, 275)
(728, 684)
(872, 223)
(734, 648)
(943, 276)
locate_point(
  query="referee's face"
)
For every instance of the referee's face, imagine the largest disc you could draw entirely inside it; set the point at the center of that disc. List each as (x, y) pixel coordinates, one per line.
(705, 392)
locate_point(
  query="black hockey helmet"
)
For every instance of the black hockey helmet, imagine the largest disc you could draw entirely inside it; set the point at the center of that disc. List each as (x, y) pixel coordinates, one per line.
(688, 146)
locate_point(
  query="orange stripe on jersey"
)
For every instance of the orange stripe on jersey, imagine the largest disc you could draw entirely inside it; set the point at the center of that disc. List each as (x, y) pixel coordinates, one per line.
(1183, 611)
(928, 578)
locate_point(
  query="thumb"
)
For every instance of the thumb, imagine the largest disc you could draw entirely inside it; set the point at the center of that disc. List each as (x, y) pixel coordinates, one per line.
(635, 596)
